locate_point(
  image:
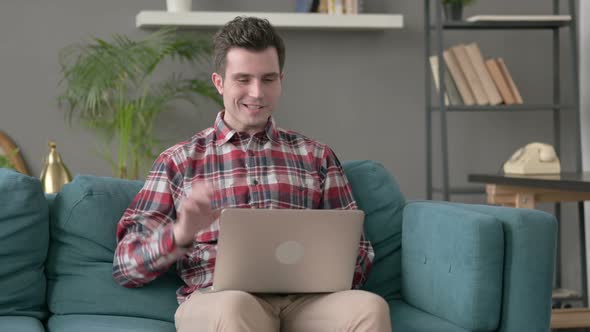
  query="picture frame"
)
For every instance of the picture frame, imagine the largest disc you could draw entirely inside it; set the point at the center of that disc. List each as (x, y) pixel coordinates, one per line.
(6, 146)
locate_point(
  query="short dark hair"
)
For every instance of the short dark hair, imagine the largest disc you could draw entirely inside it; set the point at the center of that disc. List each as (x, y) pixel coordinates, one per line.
(251, 33)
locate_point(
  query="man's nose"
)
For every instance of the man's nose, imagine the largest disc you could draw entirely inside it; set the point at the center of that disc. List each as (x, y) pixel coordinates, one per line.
(256, 89)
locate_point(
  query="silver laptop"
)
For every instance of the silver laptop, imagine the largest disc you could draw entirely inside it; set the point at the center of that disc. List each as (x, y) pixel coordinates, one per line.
(287, 250)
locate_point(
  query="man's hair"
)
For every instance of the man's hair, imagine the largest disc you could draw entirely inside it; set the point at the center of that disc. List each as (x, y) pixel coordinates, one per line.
(251, 33)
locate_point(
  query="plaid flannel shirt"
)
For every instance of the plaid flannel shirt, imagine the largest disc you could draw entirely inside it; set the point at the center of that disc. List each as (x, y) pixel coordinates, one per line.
(274, 168)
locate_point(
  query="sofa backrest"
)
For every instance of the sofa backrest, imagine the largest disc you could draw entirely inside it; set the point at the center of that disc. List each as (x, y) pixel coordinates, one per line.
(377, 194)
(84, 217)
(24, 239)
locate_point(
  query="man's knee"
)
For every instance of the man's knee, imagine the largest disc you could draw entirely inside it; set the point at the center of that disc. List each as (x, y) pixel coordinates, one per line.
(234, 304)
(371, 313)
(371, 304)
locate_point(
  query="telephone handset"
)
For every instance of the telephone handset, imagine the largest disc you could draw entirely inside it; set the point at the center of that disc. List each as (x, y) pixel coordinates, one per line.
(534, 158)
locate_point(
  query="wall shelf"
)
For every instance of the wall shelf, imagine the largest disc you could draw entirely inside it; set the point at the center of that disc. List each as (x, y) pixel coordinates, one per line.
(503, 25)
(213, 19)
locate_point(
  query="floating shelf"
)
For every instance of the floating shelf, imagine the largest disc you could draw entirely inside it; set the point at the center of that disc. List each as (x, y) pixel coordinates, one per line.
(500, 108)
(202, 19)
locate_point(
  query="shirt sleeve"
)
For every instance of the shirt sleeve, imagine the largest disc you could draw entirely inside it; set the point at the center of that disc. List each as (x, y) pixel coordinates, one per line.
(337, 194)
(145, 240)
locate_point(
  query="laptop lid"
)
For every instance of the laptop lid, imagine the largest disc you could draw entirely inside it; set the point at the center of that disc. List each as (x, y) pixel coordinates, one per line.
(287, 250)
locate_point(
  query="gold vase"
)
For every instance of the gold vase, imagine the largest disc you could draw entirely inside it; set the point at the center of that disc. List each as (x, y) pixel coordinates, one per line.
(55, 173)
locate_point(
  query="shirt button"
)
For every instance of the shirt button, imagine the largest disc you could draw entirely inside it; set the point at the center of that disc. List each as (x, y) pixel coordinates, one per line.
(255, 182)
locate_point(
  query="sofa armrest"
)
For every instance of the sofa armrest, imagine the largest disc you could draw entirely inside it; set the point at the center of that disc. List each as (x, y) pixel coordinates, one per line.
(449, 231)
(530, 238)
(452, 261)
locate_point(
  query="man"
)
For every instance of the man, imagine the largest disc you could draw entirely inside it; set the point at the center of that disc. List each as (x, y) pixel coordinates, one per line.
(243, 161)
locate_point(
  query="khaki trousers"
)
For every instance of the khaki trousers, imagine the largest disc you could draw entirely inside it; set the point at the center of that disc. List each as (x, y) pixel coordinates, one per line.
(352, 310)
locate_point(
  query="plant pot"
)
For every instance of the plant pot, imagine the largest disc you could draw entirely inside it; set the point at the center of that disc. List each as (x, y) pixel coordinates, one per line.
(453, 11)
(179, 6)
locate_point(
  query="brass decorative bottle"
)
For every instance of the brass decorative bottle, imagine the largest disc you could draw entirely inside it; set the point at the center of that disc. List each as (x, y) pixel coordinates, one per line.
(55, 173)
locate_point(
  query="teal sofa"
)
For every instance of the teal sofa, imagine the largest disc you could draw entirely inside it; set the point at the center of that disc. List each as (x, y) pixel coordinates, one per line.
(441, 266)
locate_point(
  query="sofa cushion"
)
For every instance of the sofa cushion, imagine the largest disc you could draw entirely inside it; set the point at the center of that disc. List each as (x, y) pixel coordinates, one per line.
(377, 194)
(406, 318)
(24, 239)
(97, 323)
(452, 264)
(20, 324)
(84, 217)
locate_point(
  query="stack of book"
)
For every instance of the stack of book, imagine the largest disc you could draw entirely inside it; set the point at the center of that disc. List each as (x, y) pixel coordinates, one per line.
(332, 7)
(472, 80)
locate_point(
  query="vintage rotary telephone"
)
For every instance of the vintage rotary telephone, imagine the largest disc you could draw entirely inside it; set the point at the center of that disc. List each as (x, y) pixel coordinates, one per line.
(534, 158)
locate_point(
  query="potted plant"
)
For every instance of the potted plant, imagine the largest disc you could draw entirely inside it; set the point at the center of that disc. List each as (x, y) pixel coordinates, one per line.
(5, 159)
(110, 87)
(453, 9)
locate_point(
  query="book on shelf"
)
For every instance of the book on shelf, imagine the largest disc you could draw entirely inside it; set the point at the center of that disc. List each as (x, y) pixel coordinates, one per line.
(303, 6)
(519, 18)
(470, 74)
(337, 7)
(476, 58)
(459, 78)
(452, 96)
(470, 79)
(508, 77)
(500, 82)
(323, 6)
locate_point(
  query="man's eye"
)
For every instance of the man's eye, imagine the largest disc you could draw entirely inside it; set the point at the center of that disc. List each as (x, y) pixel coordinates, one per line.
(269, 79)
(243, 80)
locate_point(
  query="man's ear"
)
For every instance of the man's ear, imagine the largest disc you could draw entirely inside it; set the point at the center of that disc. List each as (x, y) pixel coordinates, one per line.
(218, 82)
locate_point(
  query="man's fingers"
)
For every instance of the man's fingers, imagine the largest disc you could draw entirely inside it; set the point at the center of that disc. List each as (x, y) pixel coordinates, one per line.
(216, 213)
(202, 190)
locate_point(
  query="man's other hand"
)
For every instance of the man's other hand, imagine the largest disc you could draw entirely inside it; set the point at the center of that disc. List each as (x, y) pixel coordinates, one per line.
(195, 214)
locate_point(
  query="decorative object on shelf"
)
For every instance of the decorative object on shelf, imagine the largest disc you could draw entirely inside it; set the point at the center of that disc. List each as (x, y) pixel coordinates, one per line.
(534, 158)
(55, 173)
(454, 8)
(110, 88)
(179, 6)
(10, 156)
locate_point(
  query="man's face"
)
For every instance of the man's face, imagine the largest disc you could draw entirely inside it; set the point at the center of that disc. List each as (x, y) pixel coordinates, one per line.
(251, 88)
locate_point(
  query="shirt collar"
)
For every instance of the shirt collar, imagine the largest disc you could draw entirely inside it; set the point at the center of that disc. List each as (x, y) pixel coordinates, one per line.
(224, 133)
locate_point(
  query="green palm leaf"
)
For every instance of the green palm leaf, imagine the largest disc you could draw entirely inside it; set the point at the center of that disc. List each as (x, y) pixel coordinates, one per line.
(108, 86)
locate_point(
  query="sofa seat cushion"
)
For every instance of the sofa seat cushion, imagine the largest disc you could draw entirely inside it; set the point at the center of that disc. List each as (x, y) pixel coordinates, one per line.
(452, 264)
(20, 324)
(99, 323)
(24, 239)
(377, 194)
(84, 217)
(405, 318)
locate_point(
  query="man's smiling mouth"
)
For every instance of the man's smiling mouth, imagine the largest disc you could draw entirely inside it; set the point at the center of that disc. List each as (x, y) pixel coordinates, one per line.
(253, 106)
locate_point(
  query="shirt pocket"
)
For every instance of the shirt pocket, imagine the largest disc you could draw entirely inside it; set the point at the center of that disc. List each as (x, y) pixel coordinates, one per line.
(294, 190)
